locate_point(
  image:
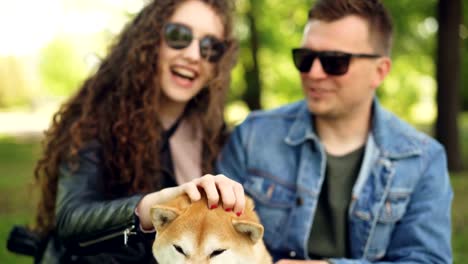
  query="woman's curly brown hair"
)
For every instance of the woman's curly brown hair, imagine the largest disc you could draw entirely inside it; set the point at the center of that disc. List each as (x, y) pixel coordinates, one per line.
(118, 107)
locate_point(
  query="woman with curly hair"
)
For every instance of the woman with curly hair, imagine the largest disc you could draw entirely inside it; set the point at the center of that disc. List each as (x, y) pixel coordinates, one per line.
(142, 129)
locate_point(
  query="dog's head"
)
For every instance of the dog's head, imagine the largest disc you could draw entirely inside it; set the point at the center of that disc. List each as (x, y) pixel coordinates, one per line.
(191, 233)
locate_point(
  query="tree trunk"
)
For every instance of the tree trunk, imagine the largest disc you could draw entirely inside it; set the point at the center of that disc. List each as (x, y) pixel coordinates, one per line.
(448, 80)
(252, 71)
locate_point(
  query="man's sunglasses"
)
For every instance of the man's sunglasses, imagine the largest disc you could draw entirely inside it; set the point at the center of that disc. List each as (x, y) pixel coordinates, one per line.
(179, 36)
(333, 62)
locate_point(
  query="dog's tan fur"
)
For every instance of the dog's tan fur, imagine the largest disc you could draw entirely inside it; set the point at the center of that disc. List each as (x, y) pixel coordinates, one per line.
(191, 233)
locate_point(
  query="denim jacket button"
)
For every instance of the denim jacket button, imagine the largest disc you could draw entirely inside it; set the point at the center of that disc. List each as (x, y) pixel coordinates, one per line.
(292, 254)
(299, 201)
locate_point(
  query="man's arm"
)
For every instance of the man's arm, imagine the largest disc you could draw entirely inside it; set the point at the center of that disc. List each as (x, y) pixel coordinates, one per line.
(424, 233)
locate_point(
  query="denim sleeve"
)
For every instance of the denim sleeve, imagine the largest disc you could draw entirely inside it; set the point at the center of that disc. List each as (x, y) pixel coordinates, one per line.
(424, 233)
(232, 160)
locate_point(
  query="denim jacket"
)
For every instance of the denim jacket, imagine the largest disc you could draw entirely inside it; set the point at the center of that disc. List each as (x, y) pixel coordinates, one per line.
(401, 202)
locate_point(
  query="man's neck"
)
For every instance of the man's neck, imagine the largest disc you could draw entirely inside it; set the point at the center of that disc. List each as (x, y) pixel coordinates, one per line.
(343, 135)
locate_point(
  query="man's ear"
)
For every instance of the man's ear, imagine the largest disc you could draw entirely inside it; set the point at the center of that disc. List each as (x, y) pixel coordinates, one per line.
(254, 231)
(384, 64)
(162, 215)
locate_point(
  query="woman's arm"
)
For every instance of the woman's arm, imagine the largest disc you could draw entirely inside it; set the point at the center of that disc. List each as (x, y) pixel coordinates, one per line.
(84, 216)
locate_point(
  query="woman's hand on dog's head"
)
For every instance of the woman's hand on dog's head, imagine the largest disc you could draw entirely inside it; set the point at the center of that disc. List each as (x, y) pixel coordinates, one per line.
(219, 189)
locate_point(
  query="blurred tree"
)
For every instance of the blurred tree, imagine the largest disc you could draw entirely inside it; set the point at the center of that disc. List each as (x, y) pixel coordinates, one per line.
(265, 76)
(464, 55)
(448, 80)
(252, 72)
(61, 67)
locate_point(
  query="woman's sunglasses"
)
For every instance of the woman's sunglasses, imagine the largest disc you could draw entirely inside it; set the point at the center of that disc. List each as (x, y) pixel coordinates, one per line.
(333, 62)
(178, 36)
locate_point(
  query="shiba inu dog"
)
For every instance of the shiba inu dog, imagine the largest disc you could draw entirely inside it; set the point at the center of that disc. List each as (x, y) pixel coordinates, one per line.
(191, 233)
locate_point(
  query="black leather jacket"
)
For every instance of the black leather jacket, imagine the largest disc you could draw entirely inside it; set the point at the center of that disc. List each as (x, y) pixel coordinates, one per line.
(91, 228)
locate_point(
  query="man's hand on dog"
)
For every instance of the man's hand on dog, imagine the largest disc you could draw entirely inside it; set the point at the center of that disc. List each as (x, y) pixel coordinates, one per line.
(218, 188)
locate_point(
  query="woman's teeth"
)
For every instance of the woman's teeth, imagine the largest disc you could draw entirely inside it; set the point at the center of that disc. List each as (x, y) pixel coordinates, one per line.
(184, 73)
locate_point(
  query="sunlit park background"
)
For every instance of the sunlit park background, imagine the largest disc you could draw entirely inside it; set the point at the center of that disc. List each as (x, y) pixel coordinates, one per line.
(48, 47)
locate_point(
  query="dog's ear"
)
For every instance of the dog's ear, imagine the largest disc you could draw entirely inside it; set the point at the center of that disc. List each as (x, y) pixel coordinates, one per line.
(253, 230)
(162, 215)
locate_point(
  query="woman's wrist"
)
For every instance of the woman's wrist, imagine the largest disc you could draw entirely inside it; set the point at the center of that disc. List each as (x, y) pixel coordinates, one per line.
(143, 208)
(142, 211)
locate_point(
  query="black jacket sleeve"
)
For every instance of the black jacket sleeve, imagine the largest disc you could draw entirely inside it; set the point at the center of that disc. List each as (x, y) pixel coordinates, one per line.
(85, 220)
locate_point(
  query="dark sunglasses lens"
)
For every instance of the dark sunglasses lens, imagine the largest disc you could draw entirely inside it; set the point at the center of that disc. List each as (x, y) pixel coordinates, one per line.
(335, 64)
(177, 36)
(303, 59)
(211, 48)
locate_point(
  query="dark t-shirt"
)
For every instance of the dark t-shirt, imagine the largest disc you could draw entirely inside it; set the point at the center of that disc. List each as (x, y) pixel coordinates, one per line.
(329, 234)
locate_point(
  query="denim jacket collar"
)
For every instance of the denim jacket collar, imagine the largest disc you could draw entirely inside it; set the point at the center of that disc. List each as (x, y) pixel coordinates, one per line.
(302, 127)
(383, 125)
(384, 128)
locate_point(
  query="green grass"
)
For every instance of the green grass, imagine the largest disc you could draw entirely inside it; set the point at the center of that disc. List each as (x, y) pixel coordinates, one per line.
(17, 160)
(460, 217)
(463, 128)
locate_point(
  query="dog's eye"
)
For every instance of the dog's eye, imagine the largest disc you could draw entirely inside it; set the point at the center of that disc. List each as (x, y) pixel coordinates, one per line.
(180, 250)
(216, 253)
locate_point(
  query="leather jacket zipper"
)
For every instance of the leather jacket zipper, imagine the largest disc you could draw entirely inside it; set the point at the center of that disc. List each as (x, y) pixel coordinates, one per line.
(126, 233)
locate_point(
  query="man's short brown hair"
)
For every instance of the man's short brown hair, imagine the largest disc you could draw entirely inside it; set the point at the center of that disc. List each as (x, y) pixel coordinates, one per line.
(378, 18)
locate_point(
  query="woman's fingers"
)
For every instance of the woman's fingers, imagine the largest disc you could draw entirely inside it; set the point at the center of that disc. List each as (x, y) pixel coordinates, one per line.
(240, 199)
(220, 188)
(225, 187)
(191, 189)
(208, 183)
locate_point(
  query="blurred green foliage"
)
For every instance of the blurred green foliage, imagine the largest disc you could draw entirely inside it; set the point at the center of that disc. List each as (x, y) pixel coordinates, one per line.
(61, 68)
(61, 65)
(279, 25)
(412, 78)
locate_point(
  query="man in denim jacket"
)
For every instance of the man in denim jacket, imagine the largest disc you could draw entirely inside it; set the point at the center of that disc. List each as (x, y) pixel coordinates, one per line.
(336, 178)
